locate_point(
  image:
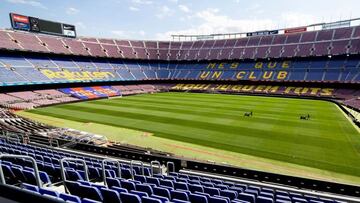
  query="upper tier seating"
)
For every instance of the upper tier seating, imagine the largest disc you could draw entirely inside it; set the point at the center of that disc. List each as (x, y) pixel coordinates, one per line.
(21, 70)
(340, 41)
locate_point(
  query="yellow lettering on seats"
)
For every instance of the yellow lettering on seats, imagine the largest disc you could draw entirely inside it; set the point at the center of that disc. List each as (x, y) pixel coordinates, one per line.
(259, 88)
(288, 90)
(221, 66)
(216, 74)
(234, 65)
(271, 64)
(252, 76)
(247, 88)
(271, 88)
(327, 92)
(267, 74)
(258, 65)
(205, 74)
(297, 90)
(282, 75)
(314, 90)
(211, 65)
(240, 75)
(285, 64)
(236, 88)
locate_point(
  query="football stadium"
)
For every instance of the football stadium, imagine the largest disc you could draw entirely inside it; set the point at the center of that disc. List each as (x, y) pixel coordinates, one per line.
(259, 115)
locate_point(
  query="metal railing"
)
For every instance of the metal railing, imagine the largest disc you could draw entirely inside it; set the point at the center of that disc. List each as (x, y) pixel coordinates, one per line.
(62, 169)
(169, 165)
(12, 156)
(132, 167)
(51, 141)
(152, 163)
(104, 170)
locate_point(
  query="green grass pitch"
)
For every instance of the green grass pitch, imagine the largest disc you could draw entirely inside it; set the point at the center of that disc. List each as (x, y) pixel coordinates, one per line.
(328, 141)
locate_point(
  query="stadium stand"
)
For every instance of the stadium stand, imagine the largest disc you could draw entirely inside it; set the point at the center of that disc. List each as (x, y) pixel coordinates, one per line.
(126, 182)
(312, 43)
(75, 70)
(32, 99)
(318, 64)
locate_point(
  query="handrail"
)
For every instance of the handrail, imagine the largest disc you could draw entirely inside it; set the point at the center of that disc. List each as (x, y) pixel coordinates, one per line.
(36, 170)
(169, 165)
(132, 167)
(14, 139)
(62, 169)
(103, 168)
(51, 141)
(152, 163)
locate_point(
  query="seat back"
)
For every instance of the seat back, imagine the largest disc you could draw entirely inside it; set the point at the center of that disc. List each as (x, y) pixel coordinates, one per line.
(128, 197)
(181, 195)
(144, 188)
(163, 192)
(150, 200)
(198, 198)
(110, 196)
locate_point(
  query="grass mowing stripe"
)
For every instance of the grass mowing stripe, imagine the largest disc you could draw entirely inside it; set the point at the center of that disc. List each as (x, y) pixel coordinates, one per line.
(322, 142)
(213, 126)
(209, 112)
(244, 108)
(258, 151)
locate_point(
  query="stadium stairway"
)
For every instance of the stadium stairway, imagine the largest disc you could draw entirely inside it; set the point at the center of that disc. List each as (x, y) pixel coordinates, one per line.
(45, 171)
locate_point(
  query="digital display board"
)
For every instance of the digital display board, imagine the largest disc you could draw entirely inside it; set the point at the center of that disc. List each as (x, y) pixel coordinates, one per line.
(20, 22)
(262, 33)
(32, 24)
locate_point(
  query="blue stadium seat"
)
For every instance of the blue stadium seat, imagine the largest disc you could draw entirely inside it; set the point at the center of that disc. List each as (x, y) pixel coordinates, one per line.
(247, 197)
(140, 178)
(179, 201)
(218, 200)
(144, 188)
(178, 194)
(262, 199)
(198, 198)
(162, 199)
(30, 187)
(181, 186)
(211, 191)
(138, 193)
(44, 191)
(86, 200)
(127, 197)
(90, 192)
(70, 198)
(127, 185)
(110, 195)
(113, 182)
(162, 192)
(150, 200)
(153, 180)
(119, 190)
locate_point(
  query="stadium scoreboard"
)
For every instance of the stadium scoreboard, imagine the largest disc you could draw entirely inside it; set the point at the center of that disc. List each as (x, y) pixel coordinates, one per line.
(32, 24)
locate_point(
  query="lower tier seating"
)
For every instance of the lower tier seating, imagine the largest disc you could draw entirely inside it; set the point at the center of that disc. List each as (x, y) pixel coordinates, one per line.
(133, 184)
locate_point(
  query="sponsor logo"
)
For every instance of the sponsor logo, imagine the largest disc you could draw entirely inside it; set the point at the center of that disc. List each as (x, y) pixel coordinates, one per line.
(77, 75)
(295, 30)
(20, 18)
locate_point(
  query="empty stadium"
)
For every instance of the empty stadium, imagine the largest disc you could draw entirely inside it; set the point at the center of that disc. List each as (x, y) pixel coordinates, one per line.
(263, 116)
